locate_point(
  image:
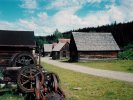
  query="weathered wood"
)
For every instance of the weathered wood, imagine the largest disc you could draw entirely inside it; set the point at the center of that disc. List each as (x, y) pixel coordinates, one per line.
(62, 52)
(76, 54)
(12, 45)
(96, 54)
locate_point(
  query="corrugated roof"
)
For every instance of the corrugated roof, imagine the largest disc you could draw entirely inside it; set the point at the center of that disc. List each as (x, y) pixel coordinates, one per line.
(17, 38)
(59, 46)
(47, 47)
(95, 41)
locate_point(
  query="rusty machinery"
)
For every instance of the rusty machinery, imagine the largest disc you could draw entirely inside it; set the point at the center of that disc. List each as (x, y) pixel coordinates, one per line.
(19, 66)
(38, 82)
(32, 78)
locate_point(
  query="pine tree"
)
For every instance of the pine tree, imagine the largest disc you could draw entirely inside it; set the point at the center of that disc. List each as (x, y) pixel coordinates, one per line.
(57, 35)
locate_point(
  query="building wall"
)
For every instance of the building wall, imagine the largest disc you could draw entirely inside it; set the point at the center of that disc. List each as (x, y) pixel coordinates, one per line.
(97, 54)
(63, 53)
(73, 50)
(55, 55)
(76, 55)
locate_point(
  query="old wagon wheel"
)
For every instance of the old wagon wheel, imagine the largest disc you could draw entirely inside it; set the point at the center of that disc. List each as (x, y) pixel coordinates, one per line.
(22, 59)
(27, 78)
(55, 82)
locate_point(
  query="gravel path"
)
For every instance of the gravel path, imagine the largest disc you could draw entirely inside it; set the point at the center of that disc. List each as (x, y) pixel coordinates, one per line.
(97, 72)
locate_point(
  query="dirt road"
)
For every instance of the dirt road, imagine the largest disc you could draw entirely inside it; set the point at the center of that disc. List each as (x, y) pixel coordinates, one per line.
(97, 72)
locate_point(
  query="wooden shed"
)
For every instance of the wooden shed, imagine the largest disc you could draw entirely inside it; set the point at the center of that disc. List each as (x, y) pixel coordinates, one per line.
(47, 49)
(86, 46)
(61, 51)
(13, 42)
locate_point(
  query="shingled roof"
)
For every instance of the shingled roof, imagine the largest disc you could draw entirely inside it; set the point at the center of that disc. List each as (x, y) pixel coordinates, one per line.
(17, 38)
(95, 41)
(59, 46)
(62, 40)
(47, 47)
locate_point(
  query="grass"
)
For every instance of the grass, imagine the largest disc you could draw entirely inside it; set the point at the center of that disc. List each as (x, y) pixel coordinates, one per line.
(116, 65)
(10, 96)
(92, 87)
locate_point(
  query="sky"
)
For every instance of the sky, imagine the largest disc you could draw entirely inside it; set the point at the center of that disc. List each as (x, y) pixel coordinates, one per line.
(45, 16)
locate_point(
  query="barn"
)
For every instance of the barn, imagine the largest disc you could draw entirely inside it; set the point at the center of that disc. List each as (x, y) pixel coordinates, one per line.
(61, 51)
(87, 46)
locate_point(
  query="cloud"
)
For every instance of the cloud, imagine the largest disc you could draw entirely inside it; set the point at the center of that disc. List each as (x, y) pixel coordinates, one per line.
(126, 8)
(40, 24)
(26, 24)
(66, 19)
(116, 14)
(60, 4)
(29, 4)
(4, 24)
(70, 21)
(121, 12)
(43, 16)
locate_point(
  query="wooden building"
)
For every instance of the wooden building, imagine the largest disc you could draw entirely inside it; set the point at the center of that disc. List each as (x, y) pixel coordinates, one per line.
(47, 49)
(61, 51)
(62, 40)
(86, 46)
(54, 44)
(13, 43)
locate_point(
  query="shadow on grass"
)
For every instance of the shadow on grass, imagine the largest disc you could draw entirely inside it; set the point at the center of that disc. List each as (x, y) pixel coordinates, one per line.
(68, 61)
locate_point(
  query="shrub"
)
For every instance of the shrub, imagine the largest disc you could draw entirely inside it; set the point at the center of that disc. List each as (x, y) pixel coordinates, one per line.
(127, 52)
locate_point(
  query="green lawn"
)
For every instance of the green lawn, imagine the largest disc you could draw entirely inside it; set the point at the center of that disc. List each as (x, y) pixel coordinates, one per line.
(10, 96)
(116, 65)
(92, 87)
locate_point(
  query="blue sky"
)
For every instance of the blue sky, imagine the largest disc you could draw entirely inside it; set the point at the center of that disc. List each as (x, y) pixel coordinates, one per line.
(45, 16)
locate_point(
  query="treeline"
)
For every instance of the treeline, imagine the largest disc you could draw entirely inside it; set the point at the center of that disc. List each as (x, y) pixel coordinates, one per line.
(40, 40)
(122, 32)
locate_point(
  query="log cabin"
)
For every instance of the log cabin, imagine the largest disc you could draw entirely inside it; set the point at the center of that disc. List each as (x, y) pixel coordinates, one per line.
(61, 51)
(92, 46)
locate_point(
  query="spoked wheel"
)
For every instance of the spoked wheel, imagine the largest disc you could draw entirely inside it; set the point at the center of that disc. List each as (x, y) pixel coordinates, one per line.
(22, 59)
(55, 82)
(56, 87)
(27, 78)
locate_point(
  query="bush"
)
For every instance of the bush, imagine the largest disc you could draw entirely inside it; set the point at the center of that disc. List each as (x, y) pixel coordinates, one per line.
(127, 52)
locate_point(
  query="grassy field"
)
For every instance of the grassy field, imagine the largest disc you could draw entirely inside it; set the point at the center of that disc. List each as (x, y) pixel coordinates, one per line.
(116, 65)
(91, 87)
(10, 96)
